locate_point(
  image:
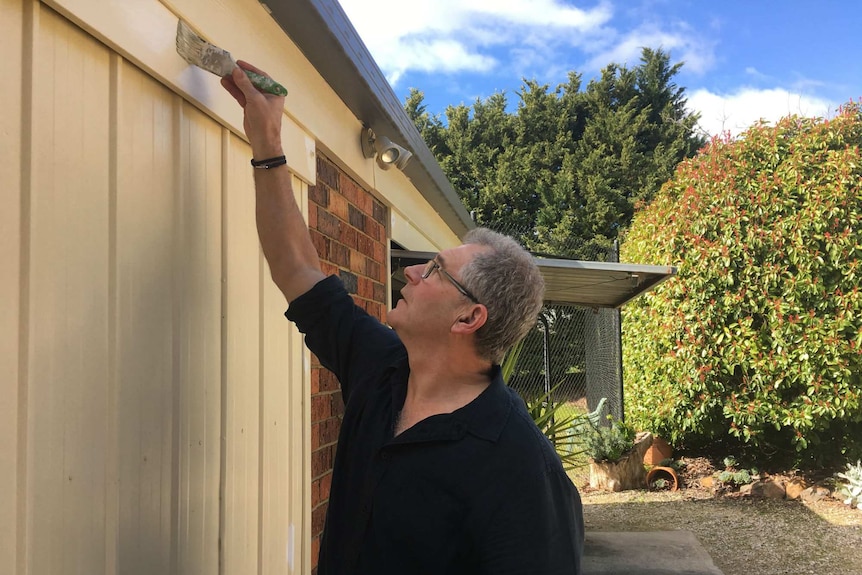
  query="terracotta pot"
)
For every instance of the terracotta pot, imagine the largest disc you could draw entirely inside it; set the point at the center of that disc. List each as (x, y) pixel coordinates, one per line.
(658, 451)
(667, 473)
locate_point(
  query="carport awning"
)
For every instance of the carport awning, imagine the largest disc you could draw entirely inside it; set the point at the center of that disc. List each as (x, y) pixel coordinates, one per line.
(575, 282)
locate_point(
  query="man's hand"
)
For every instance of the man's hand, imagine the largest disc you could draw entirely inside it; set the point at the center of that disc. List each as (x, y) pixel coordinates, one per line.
(263, 112)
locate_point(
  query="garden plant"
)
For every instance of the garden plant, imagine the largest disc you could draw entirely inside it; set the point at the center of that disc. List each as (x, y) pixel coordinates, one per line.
(755, 347)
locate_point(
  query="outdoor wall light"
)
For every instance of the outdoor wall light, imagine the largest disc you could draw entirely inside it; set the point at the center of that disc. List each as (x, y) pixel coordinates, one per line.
(388, 153)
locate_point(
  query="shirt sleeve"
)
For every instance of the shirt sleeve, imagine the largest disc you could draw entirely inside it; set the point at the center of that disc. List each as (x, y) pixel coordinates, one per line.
(352, 344)
(538, 530)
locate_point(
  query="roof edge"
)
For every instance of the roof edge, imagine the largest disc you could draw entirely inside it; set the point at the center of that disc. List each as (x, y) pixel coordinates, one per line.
(325, 35)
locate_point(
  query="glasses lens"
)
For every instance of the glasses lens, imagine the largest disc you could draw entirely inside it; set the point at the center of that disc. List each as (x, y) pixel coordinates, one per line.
(429, 269)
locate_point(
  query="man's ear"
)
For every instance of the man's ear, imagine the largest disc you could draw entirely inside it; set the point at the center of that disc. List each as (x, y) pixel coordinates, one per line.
(471, 319)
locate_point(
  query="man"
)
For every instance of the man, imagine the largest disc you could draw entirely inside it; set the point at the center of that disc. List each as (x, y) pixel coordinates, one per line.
(439, 468)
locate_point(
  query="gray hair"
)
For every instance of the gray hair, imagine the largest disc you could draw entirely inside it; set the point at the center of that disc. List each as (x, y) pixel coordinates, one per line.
(506, 279)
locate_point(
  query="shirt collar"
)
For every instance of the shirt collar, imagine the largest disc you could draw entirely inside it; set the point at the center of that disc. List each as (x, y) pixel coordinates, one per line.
(483, 417)
(486, 415)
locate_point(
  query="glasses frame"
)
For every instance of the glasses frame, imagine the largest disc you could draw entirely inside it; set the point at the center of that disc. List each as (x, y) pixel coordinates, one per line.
(433, 264)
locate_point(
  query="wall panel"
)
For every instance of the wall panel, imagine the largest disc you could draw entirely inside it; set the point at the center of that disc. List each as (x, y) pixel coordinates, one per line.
(68, 312)
(198, 313)
(11, 198)
(144, 238)
(242, 379)
(153, 398)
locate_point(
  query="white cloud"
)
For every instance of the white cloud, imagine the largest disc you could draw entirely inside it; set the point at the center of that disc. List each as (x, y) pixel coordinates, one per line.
(738, 111)
(679, 39)
(460, 35)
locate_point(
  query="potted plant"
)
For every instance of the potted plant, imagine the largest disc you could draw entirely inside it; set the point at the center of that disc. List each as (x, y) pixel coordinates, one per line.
(616, 455)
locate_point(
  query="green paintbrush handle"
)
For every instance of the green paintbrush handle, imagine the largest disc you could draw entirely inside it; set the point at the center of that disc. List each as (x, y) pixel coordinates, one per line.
(265, 84)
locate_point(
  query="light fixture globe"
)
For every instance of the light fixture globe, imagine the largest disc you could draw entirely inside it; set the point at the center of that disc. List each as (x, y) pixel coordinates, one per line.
(388, 153)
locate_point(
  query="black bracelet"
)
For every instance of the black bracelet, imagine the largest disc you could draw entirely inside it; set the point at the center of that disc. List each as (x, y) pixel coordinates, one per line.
(268, 163)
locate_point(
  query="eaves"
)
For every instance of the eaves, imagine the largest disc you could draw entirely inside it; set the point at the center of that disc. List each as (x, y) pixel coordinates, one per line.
(322, 31)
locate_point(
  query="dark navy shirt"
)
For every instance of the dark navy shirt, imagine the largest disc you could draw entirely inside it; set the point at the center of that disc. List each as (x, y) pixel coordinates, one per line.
(479, 490)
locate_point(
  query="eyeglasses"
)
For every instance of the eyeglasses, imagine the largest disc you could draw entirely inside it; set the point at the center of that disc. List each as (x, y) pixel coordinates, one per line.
(434, 265)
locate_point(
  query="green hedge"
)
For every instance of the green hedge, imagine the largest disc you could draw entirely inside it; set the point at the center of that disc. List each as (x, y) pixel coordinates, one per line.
(755, 346)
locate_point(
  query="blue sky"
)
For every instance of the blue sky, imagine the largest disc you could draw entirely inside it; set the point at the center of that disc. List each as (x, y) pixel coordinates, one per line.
(743, 60)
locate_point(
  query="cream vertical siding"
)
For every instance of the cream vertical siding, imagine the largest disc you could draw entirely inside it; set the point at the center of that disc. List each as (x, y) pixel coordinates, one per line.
(12, 289)
(154, 403)
(154, 410)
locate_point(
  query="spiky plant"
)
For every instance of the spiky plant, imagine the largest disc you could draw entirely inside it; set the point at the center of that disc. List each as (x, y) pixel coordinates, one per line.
(851, 489)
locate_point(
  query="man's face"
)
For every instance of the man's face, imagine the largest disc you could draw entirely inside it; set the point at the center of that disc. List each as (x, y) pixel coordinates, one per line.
(430, 305)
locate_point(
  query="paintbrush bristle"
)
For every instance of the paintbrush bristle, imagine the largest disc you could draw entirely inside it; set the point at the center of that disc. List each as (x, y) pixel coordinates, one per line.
(197, 51)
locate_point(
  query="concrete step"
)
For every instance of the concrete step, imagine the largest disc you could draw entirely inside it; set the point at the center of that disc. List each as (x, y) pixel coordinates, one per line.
(646, 553)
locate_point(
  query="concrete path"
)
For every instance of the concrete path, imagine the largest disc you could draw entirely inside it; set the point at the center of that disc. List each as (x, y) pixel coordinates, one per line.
(646, 553)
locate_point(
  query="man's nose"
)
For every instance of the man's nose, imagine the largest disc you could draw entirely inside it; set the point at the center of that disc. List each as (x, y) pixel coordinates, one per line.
(413, 273)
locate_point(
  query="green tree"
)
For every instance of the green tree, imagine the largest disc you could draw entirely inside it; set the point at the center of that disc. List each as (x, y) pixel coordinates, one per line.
(567, 167)
(637, 130)
(756, 346)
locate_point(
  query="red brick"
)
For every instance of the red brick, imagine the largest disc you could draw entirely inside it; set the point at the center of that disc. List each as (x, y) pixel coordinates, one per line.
(373, 229)
(338, 206)
(349, 237)
(379, 212)
(315, 493)
(380, 312)
(329, 430)
(379, 292)
(318, 517)
(328, 381)
(365, 245)
(325, 486)
(379, 251)
(374, 270)
(339, 254)
(356, 218)
(319, 194)
(366, 203)
(315, 553)
(321, 243)
(320, 409)
(350, 189)
(327, 172)
(316, 432)
(315, 381)
(312, 216)
(336, 406)
(329, 268)
(357, 263)
(328, 224)
(321, 461)
(366, 288)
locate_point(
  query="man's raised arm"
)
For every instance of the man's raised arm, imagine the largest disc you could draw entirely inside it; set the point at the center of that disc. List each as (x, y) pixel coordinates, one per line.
(283, 234)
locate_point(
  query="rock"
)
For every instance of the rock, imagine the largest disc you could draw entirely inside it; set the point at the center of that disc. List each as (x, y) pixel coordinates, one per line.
(763, 490)
(795, 488)
(707, 482)
(767, 490)
(814, 493)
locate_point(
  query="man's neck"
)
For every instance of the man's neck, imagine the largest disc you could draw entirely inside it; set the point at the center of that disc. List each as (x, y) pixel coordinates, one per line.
(441, 383)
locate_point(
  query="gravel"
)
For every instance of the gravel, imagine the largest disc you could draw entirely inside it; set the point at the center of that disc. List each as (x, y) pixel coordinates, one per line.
(743, 535)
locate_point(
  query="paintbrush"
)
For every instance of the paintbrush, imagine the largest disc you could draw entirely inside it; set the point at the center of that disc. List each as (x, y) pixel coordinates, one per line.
(197, 51)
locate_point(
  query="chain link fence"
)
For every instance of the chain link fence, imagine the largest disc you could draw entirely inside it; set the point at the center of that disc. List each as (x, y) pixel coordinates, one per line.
(573, 354)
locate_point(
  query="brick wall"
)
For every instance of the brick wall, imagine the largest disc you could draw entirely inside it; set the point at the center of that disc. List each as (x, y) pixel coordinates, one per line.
(348, 228)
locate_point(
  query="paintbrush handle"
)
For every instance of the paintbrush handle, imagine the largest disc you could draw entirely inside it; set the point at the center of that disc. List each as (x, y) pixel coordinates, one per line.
(265, 84)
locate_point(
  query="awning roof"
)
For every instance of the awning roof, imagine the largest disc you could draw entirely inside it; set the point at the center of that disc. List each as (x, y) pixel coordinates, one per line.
(575, 282)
